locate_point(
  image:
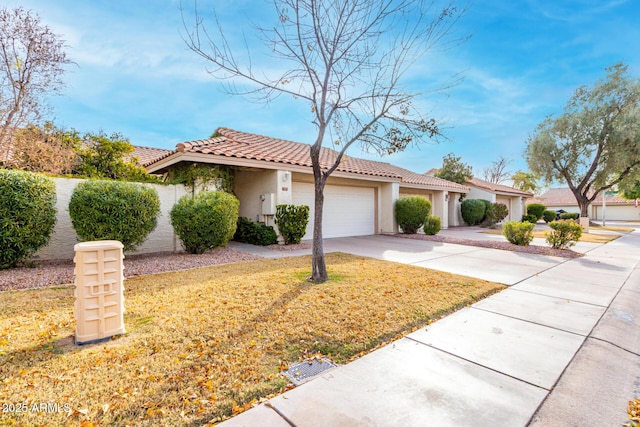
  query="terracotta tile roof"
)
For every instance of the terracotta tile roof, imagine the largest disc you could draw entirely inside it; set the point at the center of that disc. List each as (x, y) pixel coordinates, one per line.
(477, 182)
(149, 155)
(564, 197)
(233, 143)
(428, 180)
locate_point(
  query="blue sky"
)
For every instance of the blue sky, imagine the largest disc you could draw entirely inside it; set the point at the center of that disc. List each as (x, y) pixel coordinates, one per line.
(135, 75)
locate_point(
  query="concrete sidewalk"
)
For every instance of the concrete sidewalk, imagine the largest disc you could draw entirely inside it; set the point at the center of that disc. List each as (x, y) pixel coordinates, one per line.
(560, 347)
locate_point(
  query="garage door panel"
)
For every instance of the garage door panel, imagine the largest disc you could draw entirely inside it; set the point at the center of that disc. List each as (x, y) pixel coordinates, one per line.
(348, 211)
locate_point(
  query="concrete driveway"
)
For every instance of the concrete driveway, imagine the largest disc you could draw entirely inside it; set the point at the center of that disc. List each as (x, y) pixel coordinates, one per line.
(560, 347)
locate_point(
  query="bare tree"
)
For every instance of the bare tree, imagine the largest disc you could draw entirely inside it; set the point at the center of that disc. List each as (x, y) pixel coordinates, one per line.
(44, 149)
(32, 58)
(497, 173)
(346, 60)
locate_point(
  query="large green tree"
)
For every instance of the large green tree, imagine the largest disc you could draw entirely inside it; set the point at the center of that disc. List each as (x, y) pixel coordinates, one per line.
(595, 144)
(347, 62)
(525, 181)
(454, 169)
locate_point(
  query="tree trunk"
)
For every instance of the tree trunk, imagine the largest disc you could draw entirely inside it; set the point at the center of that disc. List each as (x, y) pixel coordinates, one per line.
(583, 203)
(319, 267)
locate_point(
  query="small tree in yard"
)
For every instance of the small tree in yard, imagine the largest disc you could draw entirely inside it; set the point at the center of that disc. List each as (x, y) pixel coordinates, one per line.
(345, 61)
(595, 144)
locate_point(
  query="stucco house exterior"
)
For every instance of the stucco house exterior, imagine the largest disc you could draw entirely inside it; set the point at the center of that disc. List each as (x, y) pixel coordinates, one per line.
(613, 208)
(514, 199)
(359, 196)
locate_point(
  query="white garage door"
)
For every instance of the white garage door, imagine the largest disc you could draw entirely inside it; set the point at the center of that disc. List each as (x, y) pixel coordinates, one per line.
(348, 211)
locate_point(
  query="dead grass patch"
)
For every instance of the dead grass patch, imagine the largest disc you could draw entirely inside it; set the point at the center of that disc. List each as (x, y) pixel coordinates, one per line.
(206, 343)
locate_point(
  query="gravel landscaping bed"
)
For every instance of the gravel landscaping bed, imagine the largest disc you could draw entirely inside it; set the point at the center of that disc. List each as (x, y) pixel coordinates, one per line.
(48, 273)
(492, 244)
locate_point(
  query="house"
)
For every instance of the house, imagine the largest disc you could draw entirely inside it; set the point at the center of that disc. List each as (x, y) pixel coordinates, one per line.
(359, 195)
(513, 198)
(613, 207)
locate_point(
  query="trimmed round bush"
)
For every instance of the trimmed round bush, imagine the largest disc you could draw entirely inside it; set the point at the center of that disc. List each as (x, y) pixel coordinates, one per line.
(570, 215)
(536, 209)
(495, 213)
(432, 225)
(530, 218)
(518, 233)
(549, 216)
(411, 213)
(473, 211)
(206, 221)
(114, 210)
(248, 231)
(563, 234)
(27, 214)
(292, 222)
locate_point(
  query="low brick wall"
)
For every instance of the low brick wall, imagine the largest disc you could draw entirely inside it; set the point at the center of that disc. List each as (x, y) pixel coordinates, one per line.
(64, 237)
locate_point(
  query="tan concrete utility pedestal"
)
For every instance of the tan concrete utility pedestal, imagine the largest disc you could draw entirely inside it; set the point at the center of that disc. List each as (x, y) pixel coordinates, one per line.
(99, 305)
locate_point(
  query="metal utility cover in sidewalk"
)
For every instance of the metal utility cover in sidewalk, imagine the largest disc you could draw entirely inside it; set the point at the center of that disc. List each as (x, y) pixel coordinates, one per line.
(300, 373)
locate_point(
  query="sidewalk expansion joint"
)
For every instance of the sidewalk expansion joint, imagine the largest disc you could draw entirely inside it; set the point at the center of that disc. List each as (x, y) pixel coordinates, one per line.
(615, 345)
(479, 364)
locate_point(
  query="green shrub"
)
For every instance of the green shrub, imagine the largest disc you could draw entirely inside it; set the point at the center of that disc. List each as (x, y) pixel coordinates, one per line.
(411, 212)
(27, 214)
(495, 213)
(206, 221)
(432, 225)
(114, 210)
(292, 222)
(473, 211)
(563, 234)
(536, 209)
(248, 231)
(570, 215)
(518, 233)
(531, 218)
(549, 216)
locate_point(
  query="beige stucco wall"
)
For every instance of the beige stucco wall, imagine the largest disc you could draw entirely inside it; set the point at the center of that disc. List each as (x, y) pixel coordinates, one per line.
(479, 193)
(64, 237)
(249, 186)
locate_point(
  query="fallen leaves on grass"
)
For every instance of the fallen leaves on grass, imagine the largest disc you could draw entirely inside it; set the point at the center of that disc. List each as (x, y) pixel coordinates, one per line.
(202, 345)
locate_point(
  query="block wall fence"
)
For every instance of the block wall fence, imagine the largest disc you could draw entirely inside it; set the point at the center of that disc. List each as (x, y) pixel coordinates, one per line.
(162, 239)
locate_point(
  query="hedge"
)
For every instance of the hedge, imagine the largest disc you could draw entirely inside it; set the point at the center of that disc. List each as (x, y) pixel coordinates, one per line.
(292, 222)
(114, 210)
(206, 221)
(473, 211)
(248, 231)
(27, 214)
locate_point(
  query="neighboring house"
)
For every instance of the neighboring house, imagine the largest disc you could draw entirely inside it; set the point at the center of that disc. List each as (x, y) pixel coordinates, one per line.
(615, 207)
(359, 196)
(514, 199)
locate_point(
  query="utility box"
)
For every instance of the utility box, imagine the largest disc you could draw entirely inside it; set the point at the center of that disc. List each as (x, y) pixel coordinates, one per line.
(99, 293)
(269, 204)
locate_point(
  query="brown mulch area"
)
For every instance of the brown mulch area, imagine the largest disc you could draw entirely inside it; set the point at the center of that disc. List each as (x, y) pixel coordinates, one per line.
(492, 244)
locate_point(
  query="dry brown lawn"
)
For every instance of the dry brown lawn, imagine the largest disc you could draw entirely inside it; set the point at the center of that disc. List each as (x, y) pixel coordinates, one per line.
(204, 344)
